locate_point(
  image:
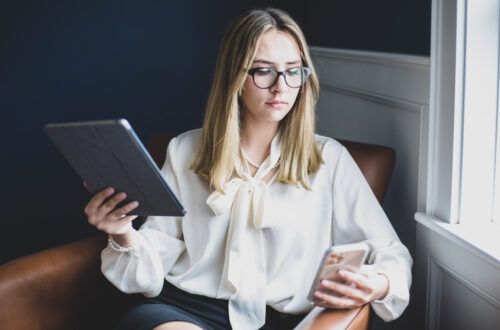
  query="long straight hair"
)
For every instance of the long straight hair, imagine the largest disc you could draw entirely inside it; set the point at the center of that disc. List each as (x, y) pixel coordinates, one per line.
(218, 151)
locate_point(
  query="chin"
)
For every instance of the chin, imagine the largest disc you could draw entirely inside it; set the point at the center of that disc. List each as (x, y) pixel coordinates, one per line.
(277, 117)
(271, 115)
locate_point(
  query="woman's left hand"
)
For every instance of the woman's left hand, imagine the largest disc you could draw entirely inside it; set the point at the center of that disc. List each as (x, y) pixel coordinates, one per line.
(366, 287)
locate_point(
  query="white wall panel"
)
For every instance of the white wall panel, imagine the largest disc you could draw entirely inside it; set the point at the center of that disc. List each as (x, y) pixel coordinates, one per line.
(378, 98)
(461, 288)
(382, 99)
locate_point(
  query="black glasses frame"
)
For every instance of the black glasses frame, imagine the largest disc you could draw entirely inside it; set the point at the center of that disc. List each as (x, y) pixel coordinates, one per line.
(278, 73)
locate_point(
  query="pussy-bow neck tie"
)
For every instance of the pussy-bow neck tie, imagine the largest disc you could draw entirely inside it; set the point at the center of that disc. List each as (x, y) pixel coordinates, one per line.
(250, 209)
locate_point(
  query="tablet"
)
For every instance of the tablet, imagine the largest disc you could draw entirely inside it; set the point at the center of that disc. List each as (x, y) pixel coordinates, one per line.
(108, 153)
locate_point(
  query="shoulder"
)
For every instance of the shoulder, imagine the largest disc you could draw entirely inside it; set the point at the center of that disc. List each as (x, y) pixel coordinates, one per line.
(329, 148)
(182, 147)
(186, 141)
(334, 154)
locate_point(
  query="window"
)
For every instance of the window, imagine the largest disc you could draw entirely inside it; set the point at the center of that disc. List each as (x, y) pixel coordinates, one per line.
(464, 167)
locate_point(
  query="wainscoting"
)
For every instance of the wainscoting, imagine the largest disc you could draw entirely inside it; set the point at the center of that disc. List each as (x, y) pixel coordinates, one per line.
(457, 285)
(383, 99)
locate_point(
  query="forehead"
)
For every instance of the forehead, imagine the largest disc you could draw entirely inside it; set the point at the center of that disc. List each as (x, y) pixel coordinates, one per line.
(278, 47)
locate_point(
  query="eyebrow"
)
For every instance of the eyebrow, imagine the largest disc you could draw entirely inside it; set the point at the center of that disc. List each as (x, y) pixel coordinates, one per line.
(269, 62)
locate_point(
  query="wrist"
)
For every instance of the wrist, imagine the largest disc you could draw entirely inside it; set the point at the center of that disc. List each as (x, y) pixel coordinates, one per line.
(125, 239)
(131, 251)
(386, 287)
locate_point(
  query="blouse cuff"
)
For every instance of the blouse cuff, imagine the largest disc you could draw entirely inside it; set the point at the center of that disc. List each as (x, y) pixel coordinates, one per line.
(387, 299)
(392, 305)
(131, 251)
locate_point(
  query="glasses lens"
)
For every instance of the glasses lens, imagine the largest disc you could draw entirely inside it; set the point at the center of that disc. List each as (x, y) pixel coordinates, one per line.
(296, 77)
(264, 78)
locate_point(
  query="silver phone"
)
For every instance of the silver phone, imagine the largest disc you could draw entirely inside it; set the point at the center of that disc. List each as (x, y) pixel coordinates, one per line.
(348, 256)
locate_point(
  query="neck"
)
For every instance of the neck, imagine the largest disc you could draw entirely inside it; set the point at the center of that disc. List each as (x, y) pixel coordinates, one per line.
(256, 140)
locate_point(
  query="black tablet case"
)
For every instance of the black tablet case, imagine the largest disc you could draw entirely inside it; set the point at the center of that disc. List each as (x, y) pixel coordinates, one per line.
(109, 154)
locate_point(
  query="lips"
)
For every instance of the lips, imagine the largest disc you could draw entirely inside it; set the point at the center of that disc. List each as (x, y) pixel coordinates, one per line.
(276, 104)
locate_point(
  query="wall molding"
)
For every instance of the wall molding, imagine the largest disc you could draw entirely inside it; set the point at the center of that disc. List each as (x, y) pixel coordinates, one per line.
(434, 291)
(433, 305)
(396, 80)
(390, 101)
(433, 262)
(390, 59)
(444, 229)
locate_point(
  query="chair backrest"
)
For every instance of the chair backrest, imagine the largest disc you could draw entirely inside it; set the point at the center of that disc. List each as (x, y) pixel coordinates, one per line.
(376, 162)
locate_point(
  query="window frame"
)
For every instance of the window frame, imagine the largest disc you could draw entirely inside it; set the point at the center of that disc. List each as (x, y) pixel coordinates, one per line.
(462, 143)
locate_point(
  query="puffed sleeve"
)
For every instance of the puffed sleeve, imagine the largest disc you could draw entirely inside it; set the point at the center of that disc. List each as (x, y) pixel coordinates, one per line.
(156, 247)
(358, 217)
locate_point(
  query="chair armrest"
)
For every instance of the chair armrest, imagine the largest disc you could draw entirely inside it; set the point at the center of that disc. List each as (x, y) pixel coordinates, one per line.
(336, 319)
(59, 288)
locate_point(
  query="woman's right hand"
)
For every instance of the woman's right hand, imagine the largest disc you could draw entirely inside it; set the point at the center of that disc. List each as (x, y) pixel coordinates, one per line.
(115, 222)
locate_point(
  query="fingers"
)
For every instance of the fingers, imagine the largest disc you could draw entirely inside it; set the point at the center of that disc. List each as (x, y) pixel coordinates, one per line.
(358, 292)
(359, 279)
(345, 290)
(122, 211)
(112, 203)
(104, 215)
(97, 200)
(330, 301)
(378, 281)
(116, 222)
(117, 227)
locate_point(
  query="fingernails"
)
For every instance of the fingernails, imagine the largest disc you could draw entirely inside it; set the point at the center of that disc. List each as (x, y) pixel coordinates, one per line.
(134, 204)
(122, 195)
(342, 272)
(109, 191)
(318, 294)
(326, 282)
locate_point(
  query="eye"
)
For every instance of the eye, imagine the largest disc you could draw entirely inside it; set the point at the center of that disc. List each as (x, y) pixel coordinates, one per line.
(293, 71)
(263, 72)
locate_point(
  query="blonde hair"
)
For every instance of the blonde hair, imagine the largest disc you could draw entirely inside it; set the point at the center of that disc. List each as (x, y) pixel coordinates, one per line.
(218, 149)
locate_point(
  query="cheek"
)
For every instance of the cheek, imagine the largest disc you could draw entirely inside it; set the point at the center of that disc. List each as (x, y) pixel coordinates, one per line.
(293, 97)
(247, 88)
(250, 93)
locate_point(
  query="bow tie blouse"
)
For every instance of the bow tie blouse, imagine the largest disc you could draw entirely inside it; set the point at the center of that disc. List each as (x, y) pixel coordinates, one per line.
(260, 243)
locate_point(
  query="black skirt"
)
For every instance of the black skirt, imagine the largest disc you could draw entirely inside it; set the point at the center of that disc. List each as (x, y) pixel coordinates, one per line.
(174, 304)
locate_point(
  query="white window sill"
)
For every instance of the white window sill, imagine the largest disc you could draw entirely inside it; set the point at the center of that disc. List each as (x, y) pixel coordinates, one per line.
(482, 239)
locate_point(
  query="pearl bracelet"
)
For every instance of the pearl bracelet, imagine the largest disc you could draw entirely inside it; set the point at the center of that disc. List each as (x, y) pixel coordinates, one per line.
(131, 251)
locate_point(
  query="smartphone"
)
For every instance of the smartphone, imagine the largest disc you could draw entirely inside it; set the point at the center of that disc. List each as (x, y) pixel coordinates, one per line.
(348, 256)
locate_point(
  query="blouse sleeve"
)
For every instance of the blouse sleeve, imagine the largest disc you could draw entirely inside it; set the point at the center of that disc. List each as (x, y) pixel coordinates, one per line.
(156, 247)
(358, 216)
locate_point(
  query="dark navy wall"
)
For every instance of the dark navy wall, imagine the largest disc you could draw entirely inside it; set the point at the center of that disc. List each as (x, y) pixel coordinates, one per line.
(384, 25)
(148, 61)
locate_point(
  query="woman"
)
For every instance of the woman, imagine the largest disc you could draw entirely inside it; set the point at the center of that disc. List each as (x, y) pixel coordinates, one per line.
(265, 197)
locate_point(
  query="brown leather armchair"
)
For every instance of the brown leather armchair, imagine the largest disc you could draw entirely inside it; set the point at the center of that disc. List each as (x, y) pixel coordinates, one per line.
(63, 288)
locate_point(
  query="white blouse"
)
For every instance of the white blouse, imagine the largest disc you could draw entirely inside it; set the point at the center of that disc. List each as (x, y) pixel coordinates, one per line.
(260, 243)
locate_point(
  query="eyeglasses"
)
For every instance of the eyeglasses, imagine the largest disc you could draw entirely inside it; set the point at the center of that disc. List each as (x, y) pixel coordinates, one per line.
(267, 77)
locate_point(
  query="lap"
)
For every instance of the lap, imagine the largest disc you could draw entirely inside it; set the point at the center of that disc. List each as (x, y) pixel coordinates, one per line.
(174, 304)
(177, 325)
(150, 315)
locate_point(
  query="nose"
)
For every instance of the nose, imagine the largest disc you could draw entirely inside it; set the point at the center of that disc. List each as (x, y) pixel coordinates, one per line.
(280, 84)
